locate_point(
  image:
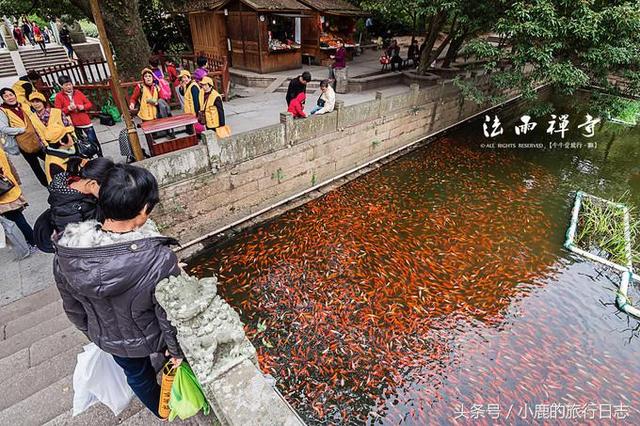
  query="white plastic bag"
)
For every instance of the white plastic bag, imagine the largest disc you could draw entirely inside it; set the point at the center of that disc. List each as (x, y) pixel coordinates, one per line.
(3, 238)
(97, 377)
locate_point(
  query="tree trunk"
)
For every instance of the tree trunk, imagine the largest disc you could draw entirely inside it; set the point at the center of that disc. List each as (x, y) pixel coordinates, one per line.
(124, 30)
(454, 48)
(436, 23)
(437, 53)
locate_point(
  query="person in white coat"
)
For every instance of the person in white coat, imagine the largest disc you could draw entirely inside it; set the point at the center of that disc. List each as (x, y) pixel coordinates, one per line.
(327, 101)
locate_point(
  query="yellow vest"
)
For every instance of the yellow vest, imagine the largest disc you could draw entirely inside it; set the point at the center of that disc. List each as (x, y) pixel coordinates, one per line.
(15, 192)
(189, 106)
(147, 111)
(21, 93)
(27, 141)
(55, 128)
(210, 110)
(58, 157)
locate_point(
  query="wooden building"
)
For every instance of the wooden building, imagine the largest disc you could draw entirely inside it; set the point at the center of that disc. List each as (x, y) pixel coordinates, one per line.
(332, 20)
(208, 27)
(257, 35)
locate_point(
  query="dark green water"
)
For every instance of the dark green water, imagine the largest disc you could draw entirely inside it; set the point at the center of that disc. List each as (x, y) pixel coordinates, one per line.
(435, 290)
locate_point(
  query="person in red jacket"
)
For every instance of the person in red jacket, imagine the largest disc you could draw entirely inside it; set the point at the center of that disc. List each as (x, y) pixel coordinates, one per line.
(75, 104)
(296, 106)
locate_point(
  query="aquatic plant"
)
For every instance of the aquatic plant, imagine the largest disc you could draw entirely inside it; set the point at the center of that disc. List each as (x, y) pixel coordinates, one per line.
(601, 230)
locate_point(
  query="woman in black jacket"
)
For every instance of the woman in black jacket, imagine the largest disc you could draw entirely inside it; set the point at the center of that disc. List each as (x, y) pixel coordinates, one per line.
(73, 198)
(107, 275)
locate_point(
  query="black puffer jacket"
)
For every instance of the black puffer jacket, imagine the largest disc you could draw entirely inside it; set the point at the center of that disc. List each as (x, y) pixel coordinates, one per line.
(107, 283)
(68, 205)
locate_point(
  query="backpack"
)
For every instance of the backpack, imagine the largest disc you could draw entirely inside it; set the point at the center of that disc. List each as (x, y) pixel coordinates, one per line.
(164, 89)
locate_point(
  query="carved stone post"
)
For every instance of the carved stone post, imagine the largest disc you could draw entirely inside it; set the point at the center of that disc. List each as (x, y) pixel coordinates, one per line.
(212, 338)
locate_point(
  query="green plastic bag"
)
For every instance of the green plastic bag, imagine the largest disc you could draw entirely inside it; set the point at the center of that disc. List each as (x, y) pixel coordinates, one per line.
(187, 397)
(112, 110)
(54, 92)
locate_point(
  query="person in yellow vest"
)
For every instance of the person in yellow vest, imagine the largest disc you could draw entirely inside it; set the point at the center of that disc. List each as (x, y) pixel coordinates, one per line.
(147, 96)
(212, 114)
(26, 85)
(16, 124)
(12, 202)
(191, 93)
(58, 135)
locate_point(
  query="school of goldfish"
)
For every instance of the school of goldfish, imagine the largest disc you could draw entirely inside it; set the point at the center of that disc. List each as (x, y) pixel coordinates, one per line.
(432, 283)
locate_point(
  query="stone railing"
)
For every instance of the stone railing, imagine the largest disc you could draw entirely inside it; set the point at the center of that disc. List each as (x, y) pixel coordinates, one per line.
(212, 338)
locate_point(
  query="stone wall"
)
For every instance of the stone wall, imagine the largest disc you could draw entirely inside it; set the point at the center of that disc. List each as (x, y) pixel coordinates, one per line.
(216, 184)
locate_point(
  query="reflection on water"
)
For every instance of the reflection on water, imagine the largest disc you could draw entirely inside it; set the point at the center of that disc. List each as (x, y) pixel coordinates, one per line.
(439, 282)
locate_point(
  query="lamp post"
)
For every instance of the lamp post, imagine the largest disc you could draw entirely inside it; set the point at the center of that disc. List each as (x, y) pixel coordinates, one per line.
(115, 82)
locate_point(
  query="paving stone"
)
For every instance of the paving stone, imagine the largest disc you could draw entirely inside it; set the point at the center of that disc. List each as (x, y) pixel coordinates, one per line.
(42, 406)
(32, 335)
(33, 319)
(14, 364)
(26, 383)
(56, 343)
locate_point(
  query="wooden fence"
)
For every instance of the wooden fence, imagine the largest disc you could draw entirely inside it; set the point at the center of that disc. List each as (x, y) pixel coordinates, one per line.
(218, 68)
(92, 78)
(80, 73)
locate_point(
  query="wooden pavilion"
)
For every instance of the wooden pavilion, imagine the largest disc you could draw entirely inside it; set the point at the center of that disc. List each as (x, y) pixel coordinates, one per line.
(257, 35)
(332, 20)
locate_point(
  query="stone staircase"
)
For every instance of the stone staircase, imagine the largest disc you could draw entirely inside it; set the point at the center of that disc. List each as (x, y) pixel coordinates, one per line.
(38, 350)
(34, 59)
(7, 68)
(312, 87)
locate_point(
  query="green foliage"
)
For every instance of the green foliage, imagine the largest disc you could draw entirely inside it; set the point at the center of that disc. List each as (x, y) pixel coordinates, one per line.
(278, 175)
(44, 9)
(568, 44)
(166, 32)
(89, 28)
(601, 230)
(42, 23)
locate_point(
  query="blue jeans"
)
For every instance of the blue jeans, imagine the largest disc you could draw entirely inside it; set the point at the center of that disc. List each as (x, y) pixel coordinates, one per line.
(90, 133)
(141, 376)
(315, 109)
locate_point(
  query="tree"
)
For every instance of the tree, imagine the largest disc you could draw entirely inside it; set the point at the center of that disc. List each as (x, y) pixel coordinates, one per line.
(459, 19)
(122, 22)
(566, 43)
(166, 32)
(124, 31)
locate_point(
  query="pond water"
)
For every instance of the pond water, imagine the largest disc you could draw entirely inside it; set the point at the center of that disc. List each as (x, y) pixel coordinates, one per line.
(436, 289)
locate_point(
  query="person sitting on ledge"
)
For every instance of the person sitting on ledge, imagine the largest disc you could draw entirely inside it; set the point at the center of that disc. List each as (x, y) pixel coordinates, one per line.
(327, 101)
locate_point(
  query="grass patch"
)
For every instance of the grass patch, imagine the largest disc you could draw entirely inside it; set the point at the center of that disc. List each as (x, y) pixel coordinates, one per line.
(601, 231)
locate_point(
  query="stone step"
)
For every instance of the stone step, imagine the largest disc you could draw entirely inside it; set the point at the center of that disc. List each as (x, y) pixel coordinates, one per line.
(14, 364)
(27, 304)
(42, 57)
(33, 319)
(98, 414)
(57, 343)
(42, 406)
(39, 54)
(37, 51)
(32, 335)
(26, 383)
